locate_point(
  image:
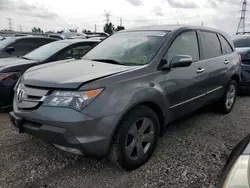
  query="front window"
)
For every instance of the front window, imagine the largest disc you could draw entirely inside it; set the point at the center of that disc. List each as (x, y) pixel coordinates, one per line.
(128, 48)
(46, 51)
(6, 42)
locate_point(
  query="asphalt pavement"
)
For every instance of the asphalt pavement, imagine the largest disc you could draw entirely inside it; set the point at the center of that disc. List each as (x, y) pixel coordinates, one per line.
(190, 154)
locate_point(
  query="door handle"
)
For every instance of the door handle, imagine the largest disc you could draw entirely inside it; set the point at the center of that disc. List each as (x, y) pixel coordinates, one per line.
(226, 61)
(200, 70)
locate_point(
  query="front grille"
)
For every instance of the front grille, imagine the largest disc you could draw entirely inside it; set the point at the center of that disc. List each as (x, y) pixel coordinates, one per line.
(29, 98)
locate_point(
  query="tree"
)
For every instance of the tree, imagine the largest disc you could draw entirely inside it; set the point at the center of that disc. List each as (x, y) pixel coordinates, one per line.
(36, 30)
(119, 28)
(73, 30)
(86, 31)
(109, 28)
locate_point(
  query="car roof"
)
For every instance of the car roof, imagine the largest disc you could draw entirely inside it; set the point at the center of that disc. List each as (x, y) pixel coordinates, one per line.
(240, 37)
(73, 41)
(30, 37)
(169, 28)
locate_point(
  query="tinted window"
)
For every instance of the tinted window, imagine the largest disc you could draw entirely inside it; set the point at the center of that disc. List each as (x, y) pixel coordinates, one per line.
(129, 48)
(44, 52)
(226, 48)
(184, 44)
(210, 45)
(75, 51)
(6, 42)
(27, 44)
(242, 42)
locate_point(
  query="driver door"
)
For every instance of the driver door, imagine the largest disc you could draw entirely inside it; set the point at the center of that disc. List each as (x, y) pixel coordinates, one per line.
(185, 86)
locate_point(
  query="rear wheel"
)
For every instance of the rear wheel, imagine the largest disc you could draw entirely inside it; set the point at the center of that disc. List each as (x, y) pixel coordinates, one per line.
(228, 99)
(137, 138)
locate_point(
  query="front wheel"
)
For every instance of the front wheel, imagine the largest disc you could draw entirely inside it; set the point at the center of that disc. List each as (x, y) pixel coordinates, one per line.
(136, 139)
(228, 99)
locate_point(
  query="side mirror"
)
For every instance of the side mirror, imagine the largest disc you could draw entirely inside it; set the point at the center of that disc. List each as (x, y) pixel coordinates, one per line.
(9, 49)
(236, 171)
(181, 61)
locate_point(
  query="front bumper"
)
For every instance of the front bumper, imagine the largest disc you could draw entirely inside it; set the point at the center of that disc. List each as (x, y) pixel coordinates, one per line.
(67, 129)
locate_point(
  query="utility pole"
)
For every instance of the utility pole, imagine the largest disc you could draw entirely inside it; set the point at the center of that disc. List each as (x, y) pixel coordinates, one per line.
(20, 28)
(120, 21)
(95, 28)
(202, 23)
(10, 23)
(107, 15)
(241, 25)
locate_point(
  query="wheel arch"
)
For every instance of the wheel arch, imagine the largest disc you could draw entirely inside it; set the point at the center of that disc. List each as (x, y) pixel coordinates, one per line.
(150, 104)
(236, 78)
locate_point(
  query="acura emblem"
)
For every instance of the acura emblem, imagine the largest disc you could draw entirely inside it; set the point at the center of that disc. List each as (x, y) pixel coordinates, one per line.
(20, 95)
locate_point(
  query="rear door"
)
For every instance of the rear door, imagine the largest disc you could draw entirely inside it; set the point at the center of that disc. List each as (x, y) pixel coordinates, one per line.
(216, 58)
(185, 85)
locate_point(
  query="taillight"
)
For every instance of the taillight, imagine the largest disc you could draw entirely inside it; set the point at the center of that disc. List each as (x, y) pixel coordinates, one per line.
(240, 58)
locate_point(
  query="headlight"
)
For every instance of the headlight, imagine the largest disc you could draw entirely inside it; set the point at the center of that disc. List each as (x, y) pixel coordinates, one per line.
(239, 175)
(72, 99)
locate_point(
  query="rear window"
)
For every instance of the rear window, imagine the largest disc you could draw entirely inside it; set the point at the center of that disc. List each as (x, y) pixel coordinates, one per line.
(226, 47)
(242, 42)
(6, 42)
(210, 45)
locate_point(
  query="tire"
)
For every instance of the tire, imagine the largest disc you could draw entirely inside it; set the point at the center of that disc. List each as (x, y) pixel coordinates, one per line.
(228, 99)
(130, 149)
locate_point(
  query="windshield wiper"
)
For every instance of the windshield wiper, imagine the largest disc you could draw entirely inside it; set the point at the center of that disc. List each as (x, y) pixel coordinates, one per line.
(108, 61)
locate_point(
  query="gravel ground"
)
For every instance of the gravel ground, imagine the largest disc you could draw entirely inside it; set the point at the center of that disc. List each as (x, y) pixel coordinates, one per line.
(190, 154)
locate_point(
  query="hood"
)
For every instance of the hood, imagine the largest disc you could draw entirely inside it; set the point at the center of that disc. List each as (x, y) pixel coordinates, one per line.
(70, 74)
(12, 62)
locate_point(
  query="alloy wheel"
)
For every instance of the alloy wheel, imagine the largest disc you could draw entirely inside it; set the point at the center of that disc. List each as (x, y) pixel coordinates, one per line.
(231, 93)
(139, 138)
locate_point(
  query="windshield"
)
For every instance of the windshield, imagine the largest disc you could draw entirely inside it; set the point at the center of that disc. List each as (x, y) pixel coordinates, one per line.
(241, 42)
(46, 51)
(6, 42)
(129, 48)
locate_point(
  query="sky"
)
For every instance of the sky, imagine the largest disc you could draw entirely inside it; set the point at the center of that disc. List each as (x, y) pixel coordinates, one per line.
(84, 14)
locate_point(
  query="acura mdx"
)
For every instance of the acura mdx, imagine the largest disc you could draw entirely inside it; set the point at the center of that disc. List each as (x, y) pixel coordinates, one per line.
(117, 100)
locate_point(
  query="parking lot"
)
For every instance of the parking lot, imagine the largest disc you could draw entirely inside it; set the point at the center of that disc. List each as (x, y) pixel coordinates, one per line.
(191, 154)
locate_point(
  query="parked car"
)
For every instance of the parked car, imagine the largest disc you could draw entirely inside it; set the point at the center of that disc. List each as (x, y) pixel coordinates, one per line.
(2, 38)
(18, 46)
(118, 99)
(12, 68)
(77, 37)
(56, 36)
(100, 34)
(242, 45)
(236, 170)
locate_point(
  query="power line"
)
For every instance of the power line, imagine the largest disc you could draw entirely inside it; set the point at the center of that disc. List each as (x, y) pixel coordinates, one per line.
(107, 15)
(241, 25)
(10, 23)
